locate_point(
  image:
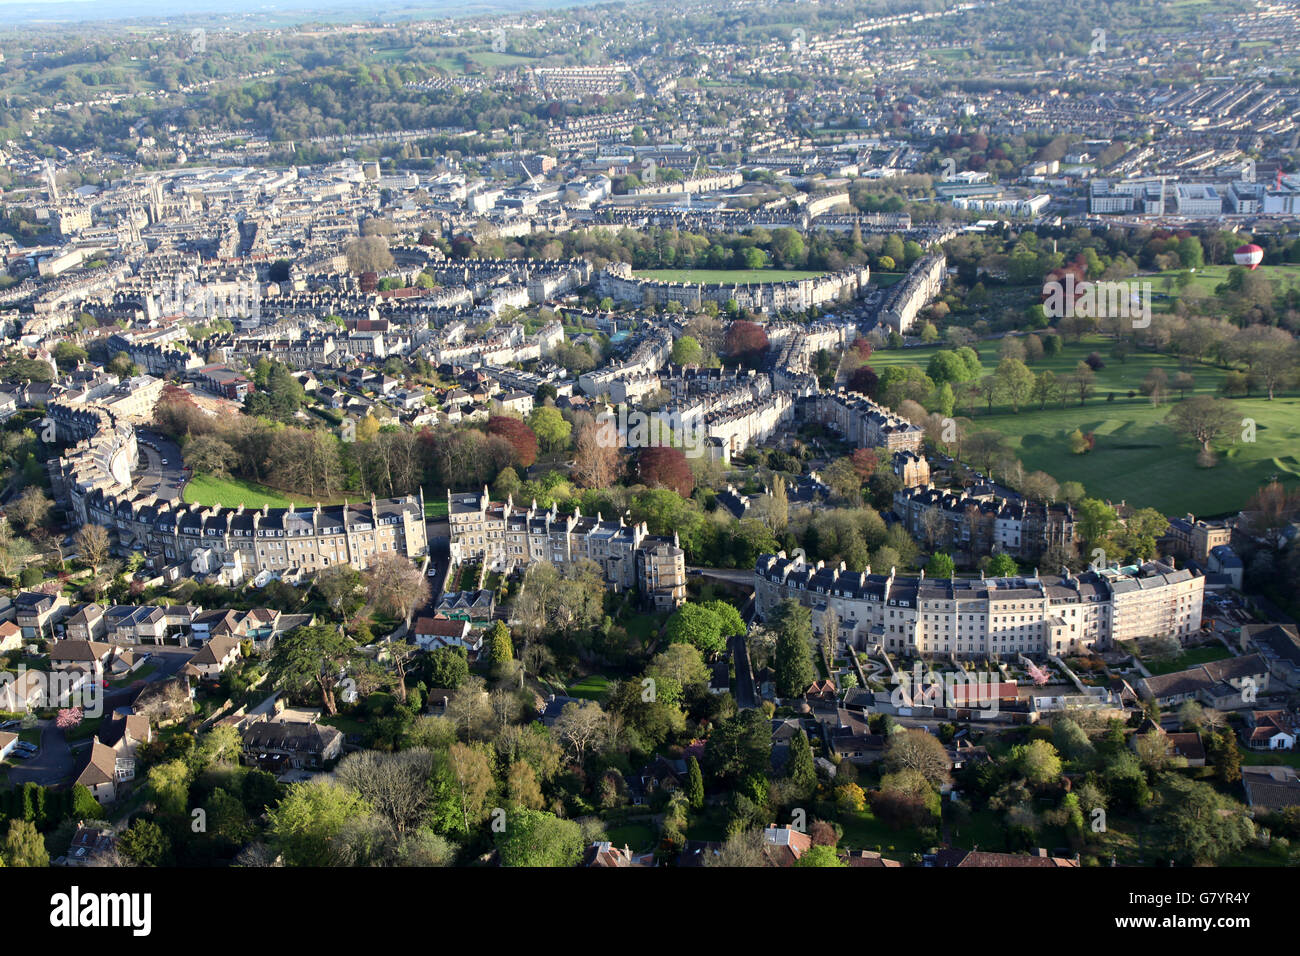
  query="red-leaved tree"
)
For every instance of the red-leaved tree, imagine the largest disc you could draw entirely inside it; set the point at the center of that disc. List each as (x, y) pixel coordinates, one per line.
(522, 438)
(865, 381)
(665, 468)
(746, 343)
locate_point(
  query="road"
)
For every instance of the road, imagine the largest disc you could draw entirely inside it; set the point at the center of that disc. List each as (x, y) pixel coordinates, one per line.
(746, 692)
(152, 476)
(55, 764)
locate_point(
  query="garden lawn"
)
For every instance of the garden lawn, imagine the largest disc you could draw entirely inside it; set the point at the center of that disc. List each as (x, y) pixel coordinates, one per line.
(1137, 458)
(638, 837)
(864, 831)
(592, 687)
(1190, 658)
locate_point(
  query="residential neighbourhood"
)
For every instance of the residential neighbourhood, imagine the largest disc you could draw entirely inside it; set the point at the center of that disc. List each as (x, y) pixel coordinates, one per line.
(654, 436)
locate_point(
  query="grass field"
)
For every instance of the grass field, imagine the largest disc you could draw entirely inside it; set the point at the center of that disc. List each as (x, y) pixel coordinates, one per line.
(231, 492)
(726, 276)
(1206, 278)
(1191, 658)
(1137, 458)
(592, 687)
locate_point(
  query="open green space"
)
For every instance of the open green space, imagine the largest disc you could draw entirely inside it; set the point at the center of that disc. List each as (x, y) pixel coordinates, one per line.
(592, 687)
(232, 492)
(1190, 658)
(638, 837)
(1137, 458)
(1205, 279)
(726, 276)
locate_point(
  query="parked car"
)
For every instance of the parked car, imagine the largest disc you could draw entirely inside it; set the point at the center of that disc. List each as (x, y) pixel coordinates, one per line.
(21, 754)
(10, 723)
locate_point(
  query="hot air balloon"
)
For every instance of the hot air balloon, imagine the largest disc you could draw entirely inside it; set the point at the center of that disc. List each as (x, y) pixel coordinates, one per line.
(1249, 255)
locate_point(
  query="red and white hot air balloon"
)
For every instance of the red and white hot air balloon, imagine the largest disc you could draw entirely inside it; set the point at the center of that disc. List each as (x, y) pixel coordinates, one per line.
(1249, 255)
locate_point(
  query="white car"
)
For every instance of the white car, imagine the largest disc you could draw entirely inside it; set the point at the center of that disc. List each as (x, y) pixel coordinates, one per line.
(164, 461)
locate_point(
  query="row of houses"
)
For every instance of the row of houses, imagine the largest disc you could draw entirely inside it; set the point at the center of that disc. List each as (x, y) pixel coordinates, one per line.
(981, 618)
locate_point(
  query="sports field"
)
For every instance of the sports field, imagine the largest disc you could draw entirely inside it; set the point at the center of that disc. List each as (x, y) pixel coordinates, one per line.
(1137, 458)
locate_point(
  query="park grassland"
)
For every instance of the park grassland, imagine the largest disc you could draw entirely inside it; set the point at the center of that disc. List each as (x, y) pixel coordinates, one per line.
(1137, 458)
(231, 492)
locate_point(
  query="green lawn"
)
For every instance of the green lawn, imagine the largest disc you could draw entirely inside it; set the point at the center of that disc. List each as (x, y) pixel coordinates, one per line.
(436, 508)
(593, 687)
(231, 492)
(864, 831)
(1190, 658)
(726, 276)
(1206, 278)
(1137, 458)
(638, 837)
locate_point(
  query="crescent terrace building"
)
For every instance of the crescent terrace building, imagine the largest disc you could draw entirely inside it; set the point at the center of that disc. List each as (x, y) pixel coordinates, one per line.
(795, 295)
(94, 478)
(993, 617)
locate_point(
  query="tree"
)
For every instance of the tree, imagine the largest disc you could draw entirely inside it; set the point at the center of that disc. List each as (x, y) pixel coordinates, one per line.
(1204, 419)
(697, 626)
(210, 454)
(595, 457)
(306, 823)
(1201, 825)
(394, 785)
(29, 511)
(338, 585)
(312, 655)
(534, 838)
(1037, 761)
(820, 856)
(581, 727)
(739, 747)
(522, 788)
(170, 785)
(1002, 565)
(1082, 381)
(550, 427)
(1046, 388)
(394, 584)
(92, 542)
(469, 773)
(745, 343)
(521, 438)
(800, 768)
(1095, 519)
(940, 566)
(687, 351)
(665, 467)
(447, 667)
(23, 846)
(500, 650)
(145, 844)
(694, 783)
(744, 848)
(1015, 382)
(793, 663)
(921, 751)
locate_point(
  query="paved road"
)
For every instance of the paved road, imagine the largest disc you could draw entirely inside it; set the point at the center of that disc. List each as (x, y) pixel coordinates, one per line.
(55, 763)
(746, 692)
(152, 476)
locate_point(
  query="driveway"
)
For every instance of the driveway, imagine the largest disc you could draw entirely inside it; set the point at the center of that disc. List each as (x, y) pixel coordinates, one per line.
(55, 764)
